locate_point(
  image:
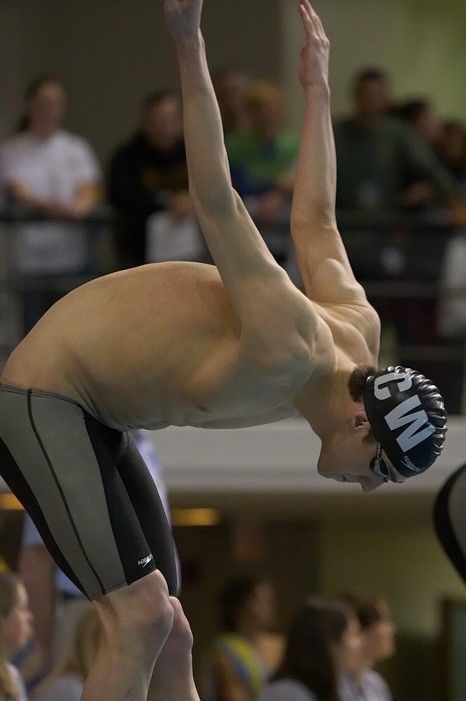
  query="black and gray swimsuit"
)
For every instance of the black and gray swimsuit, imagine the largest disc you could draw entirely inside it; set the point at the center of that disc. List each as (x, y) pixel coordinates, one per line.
(87, 489)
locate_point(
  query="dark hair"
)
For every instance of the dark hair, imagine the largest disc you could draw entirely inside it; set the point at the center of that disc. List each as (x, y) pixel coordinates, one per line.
(368, 608)
(156, 97)
(411, 110)
(356, 384)
(368, 74)
(234, 595)
(308, 656)
(31, 91)
(358, 379)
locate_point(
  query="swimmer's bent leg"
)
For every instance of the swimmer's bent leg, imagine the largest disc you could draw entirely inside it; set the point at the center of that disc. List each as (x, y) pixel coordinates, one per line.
(87, 490)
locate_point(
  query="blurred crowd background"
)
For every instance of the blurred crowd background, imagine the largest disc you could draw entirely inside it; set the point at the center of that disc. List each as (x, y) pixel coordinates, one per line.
(93, 179)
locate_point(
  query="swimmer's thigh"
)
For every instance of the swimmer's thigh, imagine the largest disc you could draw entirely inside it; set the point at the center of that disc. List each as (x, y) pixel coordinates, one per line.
(62, 465)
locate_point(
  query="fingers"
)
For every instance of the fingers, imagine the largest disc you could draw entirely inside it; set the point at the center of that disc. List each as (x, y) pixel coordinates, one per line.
(306, 17)
(311, 19)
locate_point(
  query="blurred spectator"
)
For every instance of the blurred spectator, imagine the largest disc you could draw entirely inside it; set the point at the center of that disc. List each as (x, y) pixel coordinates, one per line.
(149, 174)
(424, 122)
(55, 601)
(262, 156)
(323, 642)
(262, 159)
(175, 234)
(15, 631)
(377, 644)
(379, 157)
(451, 310)
(49, 172)
(421, 116)
(231, 87)
(66, 681)
(246, 653)
(451, 150)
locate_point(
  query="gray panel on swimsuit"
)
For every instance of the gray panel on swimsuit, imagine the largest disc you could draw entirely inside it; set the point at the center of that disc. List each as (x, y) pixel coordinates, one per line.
(60, 425)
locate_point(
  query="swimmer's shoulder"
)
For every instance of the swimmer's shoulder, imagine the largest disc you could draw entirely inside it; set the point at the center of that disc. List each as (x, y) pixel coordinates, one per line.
(354, 327)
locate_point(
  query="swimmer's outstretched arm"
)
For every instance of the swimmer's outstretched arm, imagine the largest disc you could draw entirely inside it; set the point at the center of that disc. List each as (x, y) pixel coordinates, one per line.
(320, 252)
(269, 307)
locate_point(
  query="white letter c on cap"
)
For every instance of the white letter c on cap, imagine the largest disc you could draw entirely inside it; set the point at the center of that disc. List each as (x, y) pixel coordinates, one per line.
(402, 379)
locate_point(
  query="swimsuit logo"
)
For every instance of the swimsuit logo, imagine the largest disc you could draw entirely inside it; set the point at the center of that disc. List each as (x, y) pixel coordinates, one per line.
(145, 560)
(406, 461)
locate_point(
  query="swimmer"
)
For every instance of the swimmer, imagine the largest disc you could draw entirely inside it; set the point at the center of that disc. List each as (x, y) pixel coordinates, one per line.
(186, 344)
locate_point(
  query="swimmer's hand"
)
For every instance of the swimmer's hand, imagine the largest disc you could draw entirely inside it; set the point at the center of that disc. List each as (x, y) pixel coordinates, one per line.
(315, 54)
(183, 18)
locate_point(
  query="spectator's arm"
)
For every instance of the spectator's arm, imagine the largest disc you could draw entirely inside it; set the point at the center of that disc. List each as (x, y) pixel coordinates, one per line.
(227, 684)
(19, 192)
(88, 196)
(37, 571)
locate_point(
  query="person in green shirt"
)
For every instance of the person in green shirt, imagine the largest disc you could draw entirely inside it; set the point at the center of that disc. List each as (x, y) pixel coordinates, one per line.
(262, 158)
(379, 157)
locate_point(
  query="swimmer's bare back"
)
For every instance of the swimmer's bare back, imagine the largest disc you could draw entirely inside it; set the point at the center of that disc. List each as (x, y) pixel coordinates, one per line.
(157, 345)
(231, 345)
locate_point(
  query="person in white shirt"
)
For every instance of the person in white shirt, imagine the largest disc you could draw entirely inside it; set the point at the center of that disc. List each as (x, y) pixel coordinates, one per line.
(15, 631)
(48, 172)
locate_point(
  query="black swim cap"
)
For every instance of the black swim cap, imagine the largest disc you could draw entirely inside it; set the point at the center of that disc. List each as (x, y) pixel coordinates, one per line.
(407, 416)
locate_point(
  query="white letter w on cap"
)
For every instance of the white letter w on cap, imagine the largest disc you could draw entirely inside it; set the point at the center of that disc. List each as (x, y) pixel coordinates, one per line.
(399, 416)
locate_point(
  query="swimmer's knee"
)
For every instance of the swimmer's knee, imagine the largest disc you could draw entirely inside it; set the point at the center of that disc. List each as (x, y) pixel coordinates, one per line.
(181, 635)
(143, 605)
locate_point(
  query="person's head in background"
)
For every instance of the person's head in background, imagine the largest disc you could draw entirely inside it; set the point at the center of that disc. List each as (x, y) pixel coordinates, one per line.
(371, 95)
(421, 116)
(78, 659)
(45, 106)
(15, 614)
(266, 109)
(247, 605)
(161, 120)
(15, 627)
(452, 147)
(377, 627)
(323, 640)
(231, 88)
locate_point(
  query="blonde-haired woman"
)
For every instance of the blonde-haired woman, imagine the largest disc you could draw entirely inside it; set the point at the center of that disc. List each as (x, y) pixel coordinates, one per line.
(15, 631)
(66, 681)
